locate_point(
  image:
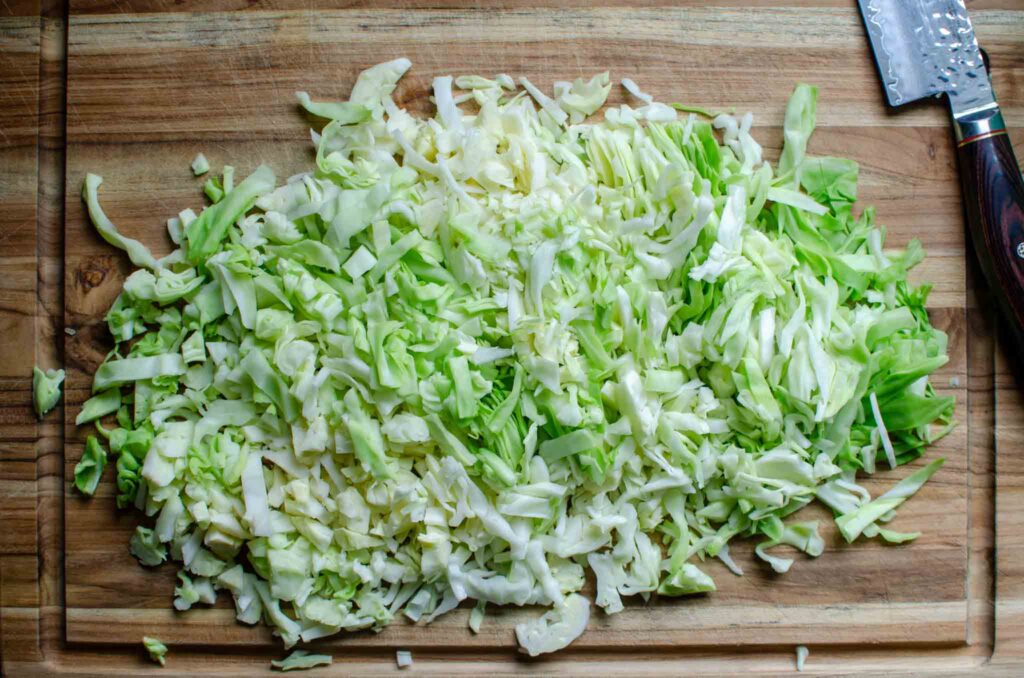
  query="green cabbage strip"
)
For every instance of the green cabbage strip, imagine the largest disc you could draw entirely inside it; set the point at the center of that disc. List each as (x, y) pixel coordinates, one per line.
(853, 524)
(300, 660)
(89, 469)
(100, 405)
(157, 650)
(344, 113)
(45, 389)
(474, 357)
(138, 253)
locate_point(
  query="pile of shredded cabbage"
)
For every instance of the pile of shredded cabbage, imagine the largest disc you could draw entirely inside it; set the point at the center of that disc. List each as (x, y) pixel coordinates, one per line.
(476, 356)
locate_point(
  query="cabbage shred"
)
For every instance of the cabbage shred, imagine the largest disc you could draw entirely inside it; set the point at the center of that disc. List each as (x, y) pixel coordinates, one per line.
(477, 355)
(45, 389)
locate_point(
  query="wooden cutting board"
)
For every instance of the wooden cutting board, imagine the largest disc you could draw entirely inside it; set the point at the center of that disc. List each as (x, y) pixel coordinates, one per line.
(147, 88)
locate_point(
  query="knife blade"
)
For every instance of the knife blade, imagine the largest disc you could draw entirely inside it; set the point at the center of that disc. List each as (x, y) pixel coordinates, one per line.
(926, 48)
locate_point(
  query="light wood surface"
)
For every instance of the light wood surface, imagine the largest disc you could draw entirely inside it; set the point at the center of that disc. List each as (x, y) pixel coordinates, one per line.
(149, 84)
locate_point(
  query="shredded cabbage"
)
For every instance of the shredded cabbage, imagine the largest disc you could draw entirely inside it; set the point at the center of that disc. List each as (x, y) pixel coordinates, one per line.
(138, 253)
(300, 660)
(556, 628)
(100, 405)
(157, 650)
(89, 468)
(200, 165)
(45, 389)
(146, 546)
(472, 357)
(801, 656)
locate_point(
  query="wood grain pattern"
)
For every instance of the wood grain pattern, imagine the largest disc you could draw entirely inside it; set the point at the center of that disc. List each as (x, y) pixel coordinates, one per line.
(149, 86)
(80, 7)
(1009, 423)
(19, 123)
(753, 56)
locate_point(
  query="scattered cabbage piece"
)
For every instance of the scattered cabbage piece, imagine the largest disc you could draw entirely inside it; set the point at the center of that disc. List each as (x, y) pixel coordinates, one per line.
(157, 650)
(300, 660)
(403, 658)
(801, 656)
(476, 616)
(345, 113)
(556, 628)
(852, 524)
(89, 468)
(146, 547)
(138, 253)
(890, 536)
(200, 165)
(472, 357)
(45, 389)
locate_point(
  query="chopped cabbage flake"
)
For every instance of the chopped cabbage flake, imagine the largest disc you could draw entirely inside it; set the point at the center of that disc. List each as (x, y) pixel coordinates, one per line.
(300, 660)
(157, 650)
(46, 389)
(556, 628)
(801, 656)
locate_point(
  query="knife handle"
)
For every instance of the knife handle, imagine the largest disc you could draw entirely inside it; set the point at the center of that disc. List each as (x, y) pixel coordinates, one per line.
(993, 194)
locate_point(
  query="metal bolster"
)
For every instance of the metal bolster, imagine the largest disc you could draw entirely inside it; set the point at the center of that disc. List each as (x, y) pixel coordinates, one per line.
(979, 124)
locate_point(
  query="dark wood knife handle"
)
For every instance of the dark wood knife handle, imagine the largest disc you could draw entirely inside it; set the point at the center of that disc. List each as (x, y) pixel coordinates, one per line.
(993, 193)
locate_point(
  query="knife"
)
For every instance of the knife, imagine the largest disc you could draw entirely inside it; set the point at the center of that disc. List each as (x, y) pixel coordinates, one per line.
(927, 48)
